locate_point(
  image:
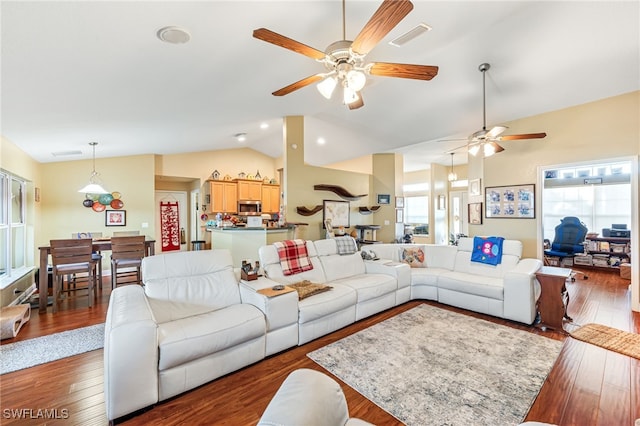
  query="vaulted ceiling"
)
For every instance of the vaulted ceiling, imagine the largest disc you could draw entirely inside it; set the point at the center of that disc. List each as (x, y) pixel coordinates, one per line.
(81, 71)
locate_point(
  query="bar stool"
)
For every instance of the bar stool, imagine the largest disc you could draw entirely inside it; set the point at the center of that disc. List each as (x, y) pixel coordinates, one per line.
(126, 255)
(71, 257)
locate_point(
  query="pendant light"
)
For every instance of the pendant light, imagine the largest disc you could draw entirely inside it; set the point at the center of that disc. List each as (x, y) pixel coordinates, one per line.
(94, 187)
(452, 176)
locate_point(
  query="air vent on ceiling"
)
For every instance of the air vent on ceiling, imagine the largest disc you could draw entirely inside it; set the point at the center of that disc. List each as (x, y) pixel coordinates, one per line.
(410, 35)
(66, 153)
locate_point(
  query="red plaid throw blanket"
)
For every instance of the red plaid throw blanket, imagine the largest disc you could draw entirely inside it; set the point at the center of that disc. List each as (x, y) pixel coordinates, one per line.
(294, 257)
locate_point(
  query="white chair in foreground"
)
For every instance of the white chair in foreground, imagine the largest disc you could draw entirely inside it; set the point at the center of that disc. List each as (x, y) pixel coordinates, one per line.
(308, 397)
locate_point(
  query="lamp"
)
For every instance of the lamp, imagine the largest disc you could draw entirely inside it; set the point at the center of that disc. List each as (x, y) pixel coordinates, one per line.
(452, 176)
(327, 86)
(94, 187)
(349, 95)
(474, 149)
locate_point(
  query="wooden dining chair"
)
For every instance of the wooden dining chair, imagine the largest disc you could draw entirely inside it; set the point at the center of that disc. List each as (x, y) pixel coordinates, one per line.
(72, 257)
(126, 259)
(96, 255)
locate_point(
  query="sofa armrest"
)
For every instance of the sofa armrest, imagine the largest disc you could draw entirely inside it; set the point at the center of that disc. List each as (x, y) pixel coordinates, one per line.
(130, 353)
(278, 310)
(521, 291)
(399, 270)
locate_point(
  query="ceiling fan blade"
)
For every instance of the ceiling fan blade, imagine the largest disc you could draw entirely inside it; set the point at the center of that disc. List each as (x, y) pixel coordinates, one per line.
(523, 136)
(357, 104)
(418, 72)
(495, 132)
(496, 148)
(288, 43)
(298, 85)
(388, 15)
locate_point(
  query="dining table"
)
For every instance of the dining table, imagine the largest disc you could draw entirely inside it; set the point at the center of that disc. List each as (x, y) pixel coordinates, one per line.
(99, 245)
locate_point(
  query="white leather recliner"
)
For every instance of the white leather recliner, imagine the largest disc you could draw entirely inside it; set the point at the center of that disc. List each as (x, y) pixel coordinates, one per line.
(185, 327)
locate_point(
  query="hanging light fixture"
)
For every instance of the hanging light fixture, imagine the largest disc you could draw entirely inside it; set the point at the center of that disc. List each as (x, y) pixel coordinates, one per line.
(94, 187)
(452, 175)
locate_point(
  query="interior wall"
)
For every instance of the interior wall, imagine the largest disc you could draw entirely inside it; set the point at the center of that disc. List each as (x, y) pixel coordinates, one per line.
(300, 179)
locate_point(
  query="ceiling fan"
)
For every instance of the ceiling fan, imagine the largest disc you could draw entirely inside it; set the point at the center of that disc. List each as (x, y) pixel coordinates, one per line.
(487, 140)
(345, 59)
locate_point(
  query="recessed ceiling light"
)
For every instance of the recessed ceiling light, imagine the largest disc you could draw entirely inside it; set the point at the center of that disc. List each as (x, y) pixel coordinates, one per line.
(173, 35)
(321, 141)
(264, 125)
(240, 137)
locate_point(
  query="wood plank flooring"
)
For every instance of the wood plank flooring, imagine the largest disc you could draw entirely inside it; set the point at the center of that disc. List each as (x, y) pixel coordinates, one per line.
(588, 385)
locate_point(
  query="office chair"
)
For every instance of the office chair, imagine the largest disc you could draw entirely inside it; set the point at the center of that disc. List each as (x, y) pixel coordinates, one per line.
(568, 241)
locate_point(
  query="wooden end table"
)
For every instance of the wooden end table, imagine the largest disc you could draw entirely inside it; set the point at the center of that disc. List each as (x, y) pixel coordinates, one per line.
(554, 297)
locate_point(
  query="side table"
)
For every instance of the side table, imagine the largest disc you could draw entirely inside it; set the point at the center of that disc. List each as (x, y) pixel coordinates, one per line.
(554, 297)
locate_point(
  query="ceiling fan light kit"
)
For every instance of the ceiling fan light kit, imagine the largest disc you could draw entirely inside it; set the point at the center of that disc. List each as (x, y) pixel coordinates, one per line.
(344, 59)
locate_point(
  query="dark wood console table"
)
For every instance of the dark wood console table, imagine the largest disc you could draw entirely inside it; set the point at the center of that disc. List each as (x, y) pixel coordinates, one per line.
(554, 297)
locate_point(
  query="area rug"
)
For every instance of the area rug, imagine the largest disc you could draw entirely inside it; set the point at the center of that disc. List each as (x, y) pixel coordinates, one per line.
(431, 366)
(609, 338)
(30, 352)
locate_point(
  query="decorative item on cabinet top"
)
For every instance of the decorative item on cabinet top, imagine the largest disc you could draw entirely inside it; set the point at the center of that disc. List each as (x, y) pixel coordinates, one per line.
(215, 175)
(368, 210)
(339, 191)
(302, 210)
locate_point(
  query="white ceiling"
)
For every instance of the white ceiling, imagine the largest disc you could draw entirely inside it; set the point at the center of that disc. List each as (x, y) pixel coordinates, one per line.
(80, 71)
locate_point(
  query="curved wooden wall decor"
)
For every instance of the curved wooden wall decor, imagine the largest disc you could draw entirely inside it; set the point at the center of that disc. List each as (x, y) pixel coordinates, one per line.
(339, 191)
(302, 210)
(368, 210)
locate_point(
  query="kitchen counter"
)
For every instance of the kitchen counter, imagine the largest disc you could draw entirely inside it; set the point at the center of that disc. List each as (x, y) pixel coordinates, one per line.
(244, 242)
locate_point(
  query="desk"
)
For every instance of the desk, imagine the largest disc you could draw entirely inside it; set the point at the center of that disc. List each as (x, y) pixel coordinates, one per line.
(98, 245)
(554, 298)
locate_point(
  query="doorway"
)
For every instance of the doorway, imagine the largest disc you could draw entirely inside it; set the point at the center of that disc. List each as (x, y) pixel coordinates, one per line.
(179, 197)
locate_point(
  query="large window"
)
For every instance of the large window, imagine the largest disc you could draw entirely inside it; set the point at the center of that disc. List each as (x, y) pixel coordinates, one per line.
(12, 227)
(417, 213)
(598, 195)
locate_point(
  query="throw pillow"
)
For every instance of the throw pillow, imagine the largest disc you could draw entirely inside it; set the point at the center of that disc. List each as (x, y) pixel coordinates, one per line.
(414, 257)
(293, 255)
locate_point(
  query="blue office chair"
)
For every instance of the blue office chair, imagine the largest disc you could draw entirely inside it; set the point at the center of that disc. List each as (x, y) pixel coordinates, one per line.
(568, 241)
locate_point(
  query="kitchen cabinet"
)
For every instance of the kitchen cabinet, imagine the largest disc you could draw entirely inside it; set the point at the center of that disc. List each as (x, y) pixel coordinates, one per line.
(249, 190)
(270, 198)
(221, 196)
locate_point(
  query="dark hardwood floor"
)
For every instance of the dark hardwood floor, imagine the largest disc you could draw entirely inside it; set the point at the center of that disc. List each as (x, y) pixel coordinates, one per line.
(587, 386)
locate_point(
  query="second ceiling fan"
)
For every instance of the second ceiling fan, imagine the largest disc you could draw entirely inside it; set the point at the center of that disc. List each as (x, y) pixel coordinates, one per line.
(487, 140)
(344, 59)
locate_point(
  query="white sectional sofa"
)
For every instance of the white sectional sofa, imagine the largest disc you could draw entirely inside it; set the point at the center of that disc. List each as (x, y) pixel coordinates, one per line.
(193, 321)
(507, 290)
(185, 327)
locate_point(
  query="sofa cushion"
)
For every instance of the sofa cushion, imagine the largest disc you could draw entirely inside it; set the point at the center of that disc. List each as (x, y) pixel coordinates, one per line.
(426, 276)
(479, 285)
(203, 277)
(413, 256)
(194, 337)
(335, 266)
(370, 286)
(324, 304)
(293, 256)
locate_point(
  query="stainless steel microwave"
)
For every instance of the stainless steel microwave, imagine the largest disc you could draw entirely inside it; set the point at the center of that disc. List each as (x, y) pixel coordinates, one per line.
(249, 208)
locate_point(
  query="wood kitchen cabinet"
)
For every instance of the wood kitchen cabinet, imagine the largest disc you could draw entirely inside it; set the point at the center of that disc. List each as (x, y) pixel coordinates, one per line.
(249, 190)
(221, 196)
(270, 198)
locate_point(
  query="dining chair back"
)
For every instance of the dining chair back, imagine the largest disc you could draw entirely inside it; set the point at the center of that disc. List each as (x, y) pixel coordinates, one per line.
(126, 258)
(126, 233)
(96, 255)
(71, 257)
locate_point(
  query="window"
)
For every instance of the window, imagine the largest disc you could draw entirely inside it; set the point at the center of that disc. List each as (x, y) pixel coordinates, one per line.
(12, 225)
(598, 195)
(417, 213)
